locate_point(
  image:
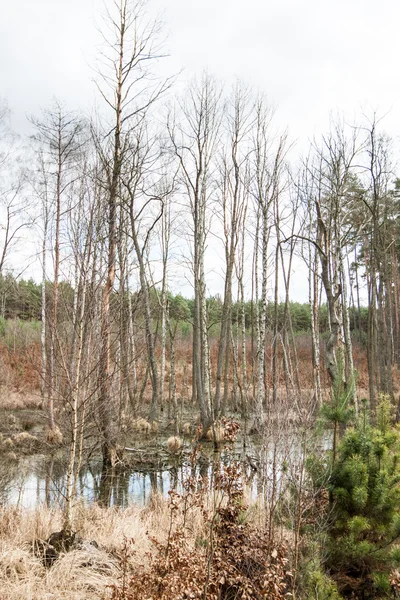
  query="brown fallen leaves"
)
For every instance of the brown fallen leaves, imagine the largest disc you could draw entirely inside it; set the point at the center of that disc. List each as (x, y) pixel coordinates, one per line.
(234, 561)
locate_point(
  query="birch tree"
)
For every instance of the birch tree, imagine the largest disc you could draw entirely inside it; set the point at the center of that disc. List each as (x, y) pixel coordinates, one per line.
(195, 144)
(128, 89)
(268, 162)
(82, 229)
(140, 194)
(332, 175)
(232, 192)
(59, 138)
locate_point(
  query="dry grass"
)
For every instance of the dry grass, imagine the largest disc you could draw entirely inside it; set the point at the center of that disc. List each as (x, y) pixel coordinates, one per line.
(84, 573)
(6, 444)
(24, 438)
(137, 425)
(54, 436)
(88, 571)
(174, 443)
(14, 400)
(154, 427)
(25, 442)
(216, 434)
(187, 428)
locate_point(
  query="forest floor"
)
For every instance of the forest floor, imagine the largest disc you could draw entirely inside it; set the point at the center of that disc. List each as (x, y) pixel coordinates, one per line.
(88, 570)
(110, 546)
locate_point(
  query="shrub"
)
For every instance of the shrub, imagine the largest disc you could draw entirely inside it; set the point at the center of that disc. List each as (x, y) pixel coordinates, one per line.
(240, 563)
(231, 559)
(54, 436)
(317, 584)
(174, 444)
(365, 504)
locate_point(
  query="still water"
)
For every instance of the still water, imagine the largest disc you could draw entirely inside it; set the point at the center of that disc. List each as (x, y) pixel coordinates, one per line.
(39, 479)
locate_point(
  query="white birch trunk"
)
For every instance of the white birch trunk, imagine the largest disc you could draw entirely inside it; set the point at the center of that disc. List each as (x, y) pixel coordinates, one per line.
(43, 325)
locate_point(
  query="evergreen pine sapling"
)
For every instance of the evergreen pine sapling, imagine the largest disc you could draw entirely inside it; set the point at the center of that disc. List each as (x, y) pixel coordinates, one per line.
(365, 505)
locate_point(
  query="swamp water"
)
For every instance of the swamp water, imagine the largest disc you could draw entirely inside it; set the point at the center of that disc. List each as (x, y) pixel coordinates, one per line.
(41, 480)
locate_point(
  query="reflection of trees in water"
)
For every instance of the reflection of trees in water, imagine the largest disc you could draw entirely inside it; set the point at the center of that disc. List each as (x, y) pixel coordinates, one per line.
(174, 479)
(204, 467)
(115, 487)
(112, 487)
(95, 473)
(33, 480)
(106, 486)
(153, 482)
(48, 478)
(122, 488)
(161, 480)
(8, 474)
(55, 481)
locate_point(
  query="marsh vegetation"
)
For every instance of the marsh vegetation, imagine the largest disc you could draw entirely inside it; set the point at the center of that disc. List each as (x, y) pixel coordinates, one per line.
(159, 441)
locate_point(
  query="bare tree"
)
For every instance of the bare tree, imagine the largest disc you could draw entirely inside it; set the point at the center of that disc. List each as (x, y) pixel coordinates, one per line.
(139, 187)
(59, 136)
(233, 195)
(194, 143)
(269, 157)
(128, 89)
(15, 210)
(331, 190)
(378, 237)
(83, 219)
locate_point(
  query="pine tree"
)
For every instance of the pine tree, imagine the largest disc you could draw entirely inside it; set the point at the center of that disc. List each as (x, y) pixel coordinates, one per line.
(365, 506)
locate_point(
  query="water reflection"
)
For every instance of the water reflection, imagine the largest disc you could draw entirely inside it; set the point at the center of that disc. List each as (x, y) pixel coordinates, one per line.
(41, 480)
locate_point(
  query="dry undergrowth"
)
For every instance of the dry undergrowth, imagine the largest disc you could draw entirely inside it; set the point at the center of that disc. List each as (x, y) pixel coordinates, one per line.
(203, 543)
(85, 573)
(230, 558)
(89, 573)
(14, 400)
(226, 557)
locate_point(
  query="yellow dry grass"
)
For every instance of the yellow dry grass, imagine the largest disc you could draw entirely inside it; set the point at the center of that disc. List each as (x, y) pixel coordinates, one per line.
(25, 439)
(82, 573)
(140, 426)
(154, 427)
(54, 436)
(217, 434)
(86, 573)
(6, 444)
(187, 428)
(11, 400)
(174, 443)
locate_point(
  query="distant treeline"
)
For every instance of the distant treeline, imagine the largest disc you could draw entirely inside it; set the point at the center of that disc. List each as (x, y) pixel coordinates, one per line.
(21, 299)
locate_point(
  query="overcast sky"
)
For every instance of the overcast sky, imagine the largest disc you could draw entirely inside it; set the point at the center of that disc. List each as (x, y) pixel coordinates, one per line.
(310, 57)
